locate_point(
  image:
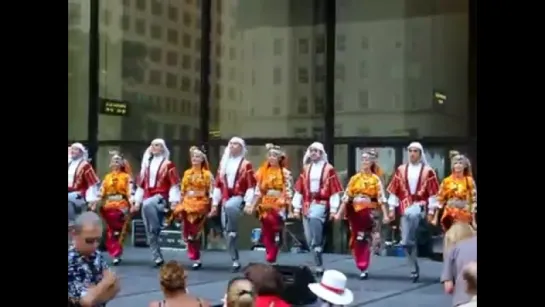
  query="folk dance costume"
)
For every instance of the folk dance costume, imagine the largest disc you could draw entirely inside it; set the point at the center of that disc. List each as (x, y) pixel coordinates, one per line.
(317, 198)
(118, 193)
(158, 187)
(378, 214)
(273, 195)
(197, 188)
(82, 181)
(457, 193)
(235, 184)
(363, 196)
(413, 191)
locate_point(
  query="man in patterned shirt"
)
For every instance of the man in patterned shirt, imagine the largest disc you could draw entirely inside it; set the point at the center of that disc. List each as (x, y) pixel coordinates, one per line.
(90, 282)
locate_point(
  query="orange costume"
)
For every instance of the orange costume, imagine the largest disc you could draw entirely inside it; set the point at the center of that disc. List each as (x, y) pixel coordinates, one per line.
(82, 181)
(273, 194)
(117, 192)
(457, 193)
(197, 187)
(364, 194)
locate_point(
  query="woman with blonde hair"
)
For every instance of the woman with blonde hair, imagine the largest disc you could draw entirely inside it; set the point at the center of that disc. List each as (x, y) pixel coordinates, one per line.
(173, 281)
(459, 231)
(240, 293)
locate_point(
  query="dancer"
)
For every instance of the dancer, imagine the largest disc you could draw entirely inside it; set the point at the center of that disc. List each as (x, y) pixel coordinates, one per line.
(457, 193)
(413, 192)
(235, 184)
(197, 189)
(363, 196)
(273, 194)
(317, 198)
(82, 181)
(378, 213)
(118, 194)
(157, 188)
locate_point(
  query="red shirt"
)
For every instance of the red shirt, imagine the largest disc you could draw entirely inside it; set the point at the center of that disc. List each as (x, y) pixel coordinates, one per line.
(270, 301)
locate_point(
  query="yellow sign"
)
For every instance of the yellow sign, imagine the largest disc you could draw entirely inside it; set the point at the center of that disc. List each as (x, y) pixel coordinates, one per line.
(114, 107)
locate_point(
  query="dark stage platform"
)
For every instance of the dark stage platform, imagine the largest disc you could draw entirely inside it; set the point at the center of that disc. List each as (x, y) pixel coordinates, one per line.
(388, 284)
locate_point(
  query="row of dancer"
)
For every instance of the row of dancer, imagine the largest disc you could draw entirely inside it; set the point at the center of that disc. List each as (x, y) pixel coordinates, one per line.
(270, 193)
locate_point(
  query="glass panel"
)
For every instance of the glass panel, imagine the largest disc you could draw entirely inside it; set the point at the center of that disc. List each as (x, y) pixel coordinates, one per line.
(78, 69)
(436, 157)
(386, 161)
(152, 61)
(267, 68)
(401, 68)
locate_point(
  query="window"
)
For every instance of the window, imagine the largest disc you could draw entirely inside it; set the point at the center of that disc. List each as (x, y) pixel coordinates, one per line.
(157, 7)
(341, 43)
(232, 53)
(320, 73)
(232, 75)
(303, 46)
(172, 36)
(300, 132)
(197, 86)
(172, 58)
(318, 133)
(363, 70)
(186, 84)
(155, 32)
(339, 72)
(154, 77)
(155, 54)
(217, 70)
(106, 17)
(141, 5)
(319, 105)
(302, 105)
(364, 43)
(126, 2)
(231, 93)
(339, 103)
(218, 50)
(187, 19)
(125, 22)
(198, 65)
(184, 132)
(363, 99)
(197, 44)
(186, 61)
(172, 13)
(278, 45)
(277, 75)
(219, 28)
(338, 130)
(186, 40)
(303, 75)
(320, 44)
(140, 26)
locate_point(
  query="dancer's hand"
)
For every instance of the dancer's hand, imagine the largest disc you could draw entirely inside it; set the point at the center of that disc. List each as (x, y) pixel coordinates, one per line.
(173, 205)
(432, 220)
(93, 206)
(213, 212)
(290, 215)
(386, 219)
(249, 210)
(338, 217)
(135, 208)
(296, 215)
(448, 286)
(392, 215)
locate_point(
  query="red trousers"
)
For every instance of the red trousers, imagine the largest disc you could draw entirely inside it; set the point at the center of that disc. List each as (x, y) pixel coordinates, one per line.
(271, 225)
(115, 220)
(361, 224)
(191, 233)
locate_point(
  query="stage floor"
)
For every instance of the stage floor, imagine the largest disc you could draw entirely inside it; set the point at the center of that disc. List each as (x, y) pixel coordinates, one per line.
(388, 283)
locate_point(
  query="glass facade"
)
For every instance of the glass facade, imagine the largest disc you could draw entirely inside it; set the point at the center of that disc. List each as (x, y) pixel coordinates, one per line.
(348, 73)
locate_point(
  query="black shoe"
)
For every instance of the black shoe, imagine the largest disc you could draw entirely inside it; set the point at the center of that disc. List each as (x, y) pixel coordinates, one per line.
(236, 268)
(196, 266)
(116, 261)
(319, 271)
(364, 275)
(159, 262)
(415, 277)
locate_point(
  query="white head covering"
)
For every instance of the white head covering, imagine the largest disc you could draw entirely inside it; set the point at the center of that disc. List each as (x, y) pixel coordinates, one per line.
(80, 147)
(148, 154)
(417, 145)
(332, 288)
(315, 145)
(227, 152)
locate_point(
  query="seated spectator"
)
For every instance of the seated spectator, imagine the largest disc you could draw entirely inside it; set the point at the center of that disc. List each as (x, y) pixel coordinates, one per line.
(459, 231)
(470, 276)
(90, 282)
(268, 285)
(240, 293)
(462, 250)
(173, 280)
(331, 290)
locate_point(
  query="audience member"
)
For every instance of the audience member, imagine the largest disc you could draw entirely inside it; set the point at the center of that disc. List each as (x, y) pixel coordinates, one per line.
(240, 293)
(90, 282)
(268, 285)
(470, 276)
(459, 231)
(172, 278)
(331, 290)
(462, 250)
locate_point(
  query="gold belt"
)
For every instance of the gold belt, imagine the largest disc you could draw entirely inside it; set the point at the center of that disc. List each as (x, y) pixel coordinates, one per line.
(192, 193)
(457, 203)
(115, 197)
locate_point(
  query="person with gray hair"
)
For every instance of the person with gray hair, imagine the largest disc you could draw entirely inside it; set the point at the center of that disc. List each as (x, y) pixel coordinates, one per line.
(90, 282)
(82, 181)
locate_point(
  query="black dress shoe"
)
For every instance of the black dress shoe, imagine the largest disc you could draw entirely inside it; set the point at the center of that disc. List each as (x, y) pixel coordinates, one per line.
(415, 277)
(196, 266)
(364, 275)
(235, 268)
(116, 261)
(159, 262)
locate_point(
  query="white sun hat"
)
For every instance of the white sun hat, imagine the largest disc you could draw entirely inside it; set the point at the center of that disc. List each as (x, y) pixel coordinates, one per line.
(332, 288)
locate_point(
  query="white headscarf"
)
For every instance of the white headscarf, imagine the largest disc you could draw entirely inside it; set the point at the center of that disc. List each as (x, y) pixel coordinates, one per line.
(227, 152)
(316, 145)
(417, 145)
(148, 154)
(85, 153)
